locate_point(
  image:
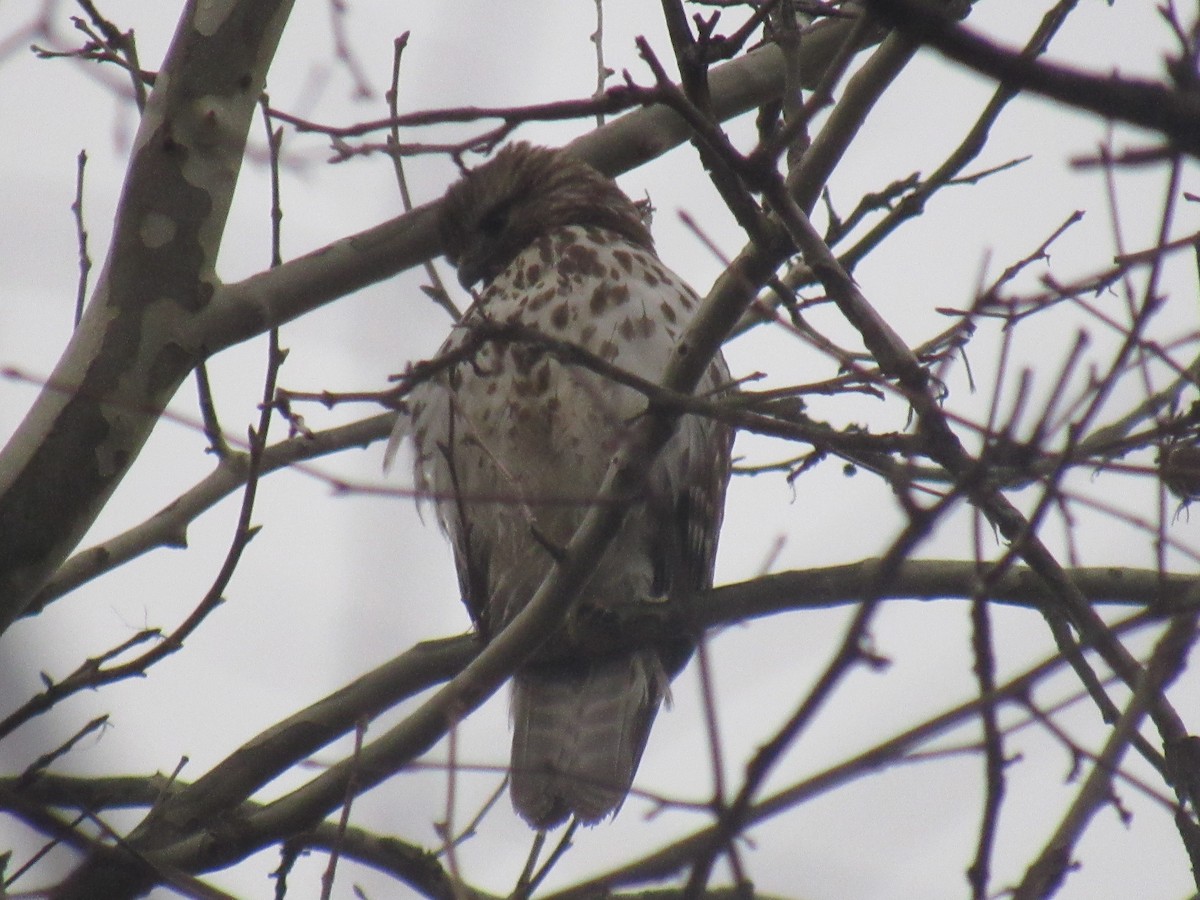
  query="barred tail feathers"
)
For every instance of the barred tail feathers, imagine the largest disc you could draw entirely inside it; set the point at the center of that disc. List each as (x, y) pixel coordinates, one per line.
(579, 733)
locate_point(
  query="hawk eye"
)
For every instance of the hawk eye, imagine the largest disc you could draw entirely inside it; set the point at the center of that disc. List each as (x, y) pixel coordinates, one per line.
(494, 221)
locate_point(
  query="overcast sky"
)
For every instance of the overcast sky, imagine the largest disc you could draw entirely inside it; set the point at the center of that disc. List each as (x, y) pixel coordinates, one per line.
(337, 584)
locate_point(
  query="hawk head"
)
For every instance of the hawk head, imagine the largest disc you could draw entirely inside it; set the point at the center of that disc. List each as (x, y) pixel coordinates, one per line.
(521, 194)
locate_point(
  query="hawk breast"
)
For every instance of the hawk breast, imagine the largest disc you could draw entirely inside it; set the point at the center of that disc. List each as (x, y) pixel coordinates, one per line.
(515, 442)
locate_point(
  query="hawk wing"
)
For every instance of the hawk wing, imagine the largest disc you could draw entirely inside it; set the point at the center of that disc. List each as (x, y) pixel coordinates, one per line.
(513, 444)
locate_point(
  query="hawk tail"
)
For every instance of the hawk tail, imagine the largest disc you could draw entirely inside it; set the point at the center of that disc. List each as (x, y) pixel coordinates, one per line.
(579, 733)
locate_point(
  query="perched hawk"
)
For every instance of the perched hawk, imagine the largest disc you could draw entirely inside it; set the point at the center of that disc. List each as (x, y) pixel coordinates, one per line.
(514, 444)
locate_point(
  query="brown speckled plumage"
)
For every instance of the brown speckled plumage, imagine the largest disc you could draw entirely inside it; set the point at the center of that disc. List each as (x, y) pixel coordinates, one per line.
(514, 444)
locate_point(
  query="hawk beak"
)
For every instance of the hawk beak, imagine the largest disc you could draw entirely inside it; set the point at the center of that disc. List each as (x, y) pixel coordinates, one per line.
(470, 272)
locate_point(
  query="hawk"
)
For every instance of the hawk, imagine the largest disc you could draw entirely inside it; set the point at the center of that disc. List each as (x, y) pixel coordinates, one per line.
(513, 443)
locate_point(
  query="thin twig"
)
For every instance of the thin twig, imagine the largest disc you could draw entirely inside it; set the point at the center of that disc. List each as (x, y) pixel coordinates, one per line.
(602, 71)
(1046, 873)
(437, 291)
(343, 823)
(344, 51)
(81, 236)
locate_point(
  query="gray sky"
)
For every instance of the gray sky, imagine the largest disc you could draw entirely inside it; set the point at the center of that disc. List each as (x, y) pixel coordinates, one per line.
(337, 584)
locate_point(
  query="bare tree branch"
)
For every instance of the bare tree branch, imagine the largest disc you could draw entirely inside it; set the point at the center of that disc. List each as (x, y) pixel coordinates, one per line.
(1172, 110)
(213, 317)
(137, 340)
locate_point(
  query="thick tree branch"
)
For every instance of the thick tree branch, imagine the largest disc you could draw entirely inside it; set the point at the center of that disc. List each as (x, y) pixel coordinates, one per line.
(248, 308)
(33, 801)
(137, 339)
(487, 672)
(669, 861)
(186, 816)
(168, 527)
(157, 844)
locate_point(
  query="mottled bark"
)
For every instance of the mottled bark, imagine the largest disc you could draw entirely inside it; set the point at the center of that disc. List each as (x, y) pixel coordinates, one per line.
(140, 335)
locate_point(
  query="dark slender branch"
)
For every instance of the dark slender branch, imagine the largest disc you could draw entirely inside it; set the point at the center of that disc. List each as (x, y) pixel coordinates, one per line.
(979, 872)
(1171, 110)
(32, 803)
(292, 740)
(668, 862)
(168, 527)
(421, 729)
(1046, 874)
(344, 50)
(436, 290)
(613, 100)
(898, 362)
(849, 654)
(968, 149)
(217, 444)
(81, 237)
